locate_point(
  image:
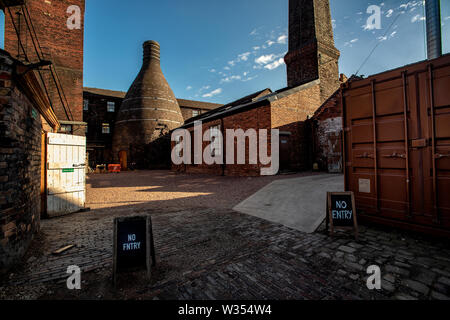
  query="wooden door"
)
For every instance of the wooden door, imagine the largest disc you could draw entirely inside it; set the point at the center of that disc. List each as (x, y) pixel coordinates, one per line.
(285, 159)
(123, 160)
(66, 177)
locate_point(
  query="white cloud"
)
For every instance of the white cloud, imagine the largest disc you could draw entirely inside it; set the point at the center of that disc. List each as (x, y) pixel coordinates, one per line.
(270, 43)
(212, 93)
(417, 17)
(265, 59)
(249, 79)
(275, 64)
(282, 39)
(226, 68)
(389, 13)
(204, 88)
(212, 70)
(231, 78)
(244, 56)
(349, 43)
(383, 38)
(188, 88)
(254, 32)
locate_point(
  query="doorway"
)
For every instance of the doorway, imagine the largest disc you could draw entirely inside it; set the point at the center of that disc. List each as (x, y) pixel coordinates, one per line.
(123, 160)
(285, 156)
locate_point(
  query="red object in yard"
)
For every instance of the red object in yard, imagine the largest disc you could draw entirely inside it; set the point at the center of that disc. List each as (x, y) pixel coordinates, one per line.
(114, 168)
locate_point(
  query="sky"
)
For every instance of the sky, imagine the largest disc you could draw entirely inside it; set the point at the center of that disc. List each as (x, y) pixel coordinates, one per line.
(219, 51)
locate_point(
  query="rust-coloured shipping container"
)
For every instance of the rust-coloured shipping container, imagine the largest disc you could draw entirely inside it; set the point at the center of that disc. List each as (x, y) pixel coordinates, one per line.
(397, 146)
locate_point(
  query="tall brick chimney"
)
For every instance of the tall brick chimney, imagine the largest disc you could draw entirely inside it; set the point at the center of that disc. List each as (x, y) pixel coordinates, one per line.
(312, 54)
(148, 112)
(56, 42)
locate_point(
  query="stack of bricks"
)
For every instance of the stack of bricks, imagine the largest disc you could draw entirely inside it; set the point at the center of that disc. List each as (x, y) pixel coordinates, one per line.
(20, 168)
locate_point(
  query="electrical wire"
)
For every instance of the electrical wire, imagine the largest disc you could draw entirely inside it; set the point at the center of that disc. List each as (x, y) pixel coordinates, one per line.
(376, 46)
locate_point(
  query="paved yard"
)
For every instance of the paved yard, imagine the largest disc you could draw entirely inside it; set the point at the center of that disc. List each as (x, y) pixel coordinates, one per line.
(297, 203)
(216, 253)
(169, 190)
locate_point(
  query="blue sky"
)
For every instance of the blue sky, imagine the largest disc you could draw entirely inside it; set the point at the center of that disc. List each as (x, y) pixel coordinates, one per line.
(219, 51)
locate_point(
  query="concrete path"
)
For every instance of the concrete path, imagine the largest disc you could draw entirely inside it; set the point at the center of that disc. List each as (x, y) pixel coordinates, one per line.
(298, 203)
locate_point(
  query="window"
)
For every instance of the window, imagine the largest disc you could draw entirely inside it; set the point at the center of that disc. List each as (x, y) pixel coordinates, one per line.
(86, 129)
(105, 128)
(216, 142)
(66, 128)
(111, 106)
(195, 113)
(85, 105)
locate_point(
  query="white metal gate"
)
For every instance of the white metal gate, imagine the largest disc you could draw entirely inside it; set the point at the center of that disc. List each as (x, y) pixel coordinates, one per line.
(66, 175)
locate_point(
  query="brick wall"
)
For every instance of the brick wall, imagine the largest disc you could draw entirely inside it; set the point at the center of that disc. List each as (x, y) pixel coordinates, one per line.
(257, 118)
(20, 168)
(312, 54)
(99, 144)
(327, 124)
(59, 44)
(289, 115)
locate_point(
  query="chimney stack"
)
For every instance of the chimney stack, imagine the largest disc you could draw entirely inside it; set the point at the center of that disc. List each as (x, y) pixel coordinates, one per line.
(433, 21)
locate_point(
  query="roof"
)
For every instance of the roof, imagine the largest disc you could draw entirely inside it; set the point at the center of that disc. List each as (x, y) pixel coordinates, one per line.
(105, 92)
(248, 102)
(31, 87)
(182, 102)
(198, 104)
(231, 107)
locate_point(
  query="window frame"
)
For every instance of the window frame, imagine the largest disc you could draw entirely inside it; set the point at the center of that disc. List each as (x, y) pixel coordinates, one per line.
(109, 104)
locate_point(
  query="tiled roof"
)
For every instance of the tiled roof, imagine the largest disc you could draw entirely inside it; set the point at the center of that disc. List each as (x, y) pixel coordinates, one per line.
(233, 106)
(106, 93)
(182, 102)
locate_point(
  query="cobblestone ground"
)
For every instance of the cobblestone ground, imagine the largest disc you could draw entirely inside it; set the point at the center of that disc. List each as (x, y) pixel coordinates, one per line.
(215, 253)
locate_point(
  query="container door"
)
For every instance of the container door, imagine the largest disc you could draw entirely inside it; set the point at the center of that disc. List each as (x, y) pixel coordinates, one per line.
(436, 127)
(66, 178)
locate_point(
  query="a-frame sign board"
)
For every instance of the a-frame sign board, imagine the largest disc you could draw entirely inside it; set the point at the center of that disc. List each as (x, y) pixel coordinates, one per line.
(134, 247)
(341, 212)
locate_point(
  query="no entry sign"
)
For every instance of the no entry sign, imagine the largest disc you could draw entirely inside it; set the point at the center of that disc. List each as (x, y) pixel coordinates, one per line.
(133, 244)
(341, 211)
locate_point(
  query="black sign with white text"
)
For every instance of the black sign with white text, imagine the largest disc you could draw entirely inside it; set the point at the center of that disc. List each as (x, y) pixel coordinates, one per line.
(342, 210)
(131, 244)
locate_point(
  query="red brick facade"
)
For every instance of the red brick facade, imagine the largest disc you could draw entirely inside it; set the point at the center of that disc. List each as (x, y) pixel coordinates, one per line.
(257, 118)
(327, 126)
(287, 111)
(312, 54)
(57, 43)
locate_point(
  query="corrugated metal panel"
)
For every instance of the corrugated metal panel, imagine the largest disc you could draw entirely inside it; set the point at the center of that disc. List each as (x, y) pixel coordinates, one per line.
(397, 146)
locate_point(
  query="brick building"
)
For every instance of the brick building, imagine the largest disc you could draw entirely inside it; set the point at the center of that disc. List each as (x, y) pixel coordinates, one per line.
(100, 109)
(312, 77)
(25, 116)
(52, 31)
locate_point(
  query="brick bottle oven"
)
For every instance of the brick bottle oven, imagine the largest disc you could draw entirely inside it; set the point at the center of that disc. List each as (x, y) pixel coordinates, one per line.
(148, 112)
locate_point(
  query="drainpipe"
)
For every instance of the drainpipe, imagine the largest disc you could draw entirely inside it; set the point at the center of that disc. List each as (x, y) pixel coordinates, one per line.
(223, 147)
(433, 22)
